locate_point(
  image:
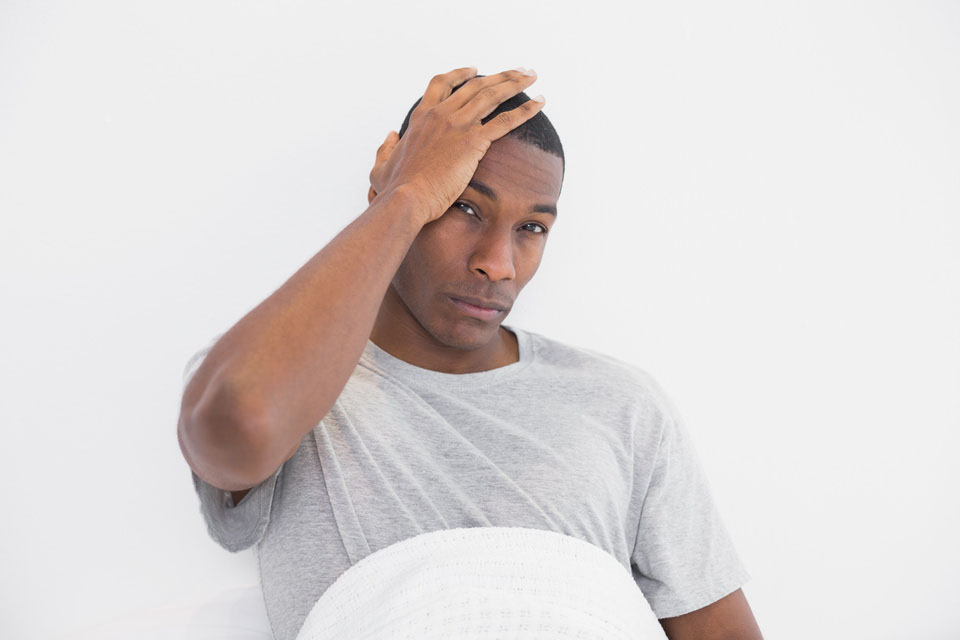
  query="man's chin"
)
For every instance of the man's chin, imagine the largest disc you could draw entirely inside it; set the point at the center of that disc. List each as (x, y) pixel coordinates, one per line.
(467, 335)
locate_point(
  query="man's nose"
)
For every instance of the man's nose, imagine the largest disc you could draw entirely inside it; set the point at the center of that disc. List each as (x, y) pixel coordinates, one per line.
(493, 257)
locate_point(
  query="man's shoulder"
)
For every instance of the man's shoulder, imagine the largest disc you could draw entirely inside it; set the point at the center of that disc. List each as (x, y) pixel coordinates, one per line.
(577, 360)
(613, 382)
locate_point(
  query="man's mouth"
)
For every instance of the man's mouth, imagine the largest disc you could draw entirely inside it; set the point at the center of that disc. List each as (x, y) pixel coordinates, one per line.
(475, 310)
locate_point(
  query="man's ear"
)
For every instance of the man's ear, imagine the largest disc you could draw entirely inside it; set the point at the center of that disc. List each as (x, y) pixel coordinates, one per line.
(371, 195)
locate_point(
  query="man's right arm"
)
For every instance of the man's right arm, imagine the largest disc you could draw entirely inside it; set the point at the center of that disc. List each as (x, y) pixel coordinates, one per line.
(271, 378)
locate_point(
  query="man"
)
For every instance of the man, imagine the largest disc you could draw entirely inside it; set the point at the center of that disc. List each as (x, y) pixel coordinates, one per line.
(377, 394)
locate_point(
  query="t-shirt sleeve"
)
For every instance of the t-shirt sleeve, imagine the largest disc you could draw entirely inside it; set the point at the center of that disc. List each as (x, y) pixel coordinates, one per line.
(233, 527)
(684, 558)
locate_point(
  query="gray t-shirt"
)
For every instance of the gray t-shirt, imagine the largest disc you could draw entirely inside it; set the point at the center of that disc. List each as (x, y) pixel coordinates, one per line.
(566, 439)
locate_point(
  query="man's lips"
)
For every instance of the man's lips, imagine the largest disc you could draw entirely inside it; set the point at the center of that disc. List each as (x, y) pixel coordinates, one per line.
(475, 310)
(480, 303)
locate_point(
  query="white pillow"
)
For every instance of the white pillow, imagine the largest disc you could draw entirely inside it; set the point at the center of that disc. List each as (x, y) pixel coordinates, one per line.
(484, 583)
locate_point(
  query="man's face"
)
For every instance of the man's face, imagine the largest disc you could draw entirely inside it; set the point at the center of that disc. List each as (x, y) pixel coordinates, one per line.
(487, 245)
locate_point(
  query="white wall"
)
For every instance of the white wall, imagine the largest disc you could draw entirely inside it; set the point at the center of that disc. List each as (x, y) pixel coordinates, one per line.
(760, 208)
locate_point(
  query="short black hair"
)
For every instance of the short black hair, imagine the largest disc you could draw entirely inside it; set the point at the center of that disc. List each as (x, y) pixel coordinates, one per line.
(538, 130)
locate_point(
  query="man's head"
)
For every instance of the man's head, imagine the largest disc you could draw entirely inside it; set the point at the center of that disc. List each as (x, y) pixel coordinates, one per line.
(538, 130)
(487, 246)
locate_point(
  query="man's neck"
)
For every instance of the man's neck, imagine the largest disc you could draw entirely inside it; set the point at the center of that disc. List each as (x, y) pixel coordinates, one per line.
(411, 347)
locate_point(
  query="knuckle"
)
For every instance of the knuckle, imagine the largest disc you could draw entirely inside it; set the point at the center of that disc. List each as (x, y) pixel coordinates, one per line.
(431, 118)
(507, 118)
(438, 115)
(487, 93)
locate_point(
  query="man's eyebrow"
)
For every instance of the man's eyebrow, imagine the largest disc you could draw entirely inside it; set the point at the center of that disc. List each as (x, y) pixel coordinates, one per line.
(488, 192)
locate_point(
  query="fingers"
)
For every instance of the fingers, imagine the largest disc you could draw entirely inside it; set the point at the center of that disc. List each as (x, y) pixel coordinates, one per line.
(442, 85)
(505, 122)
(475, 85)
(383, 151)
(480, 96)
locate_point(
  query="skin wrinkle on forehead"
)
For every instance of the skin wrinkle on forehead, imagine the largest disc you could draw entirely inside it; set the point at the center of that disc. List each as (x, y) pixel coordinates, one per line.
(516, 165)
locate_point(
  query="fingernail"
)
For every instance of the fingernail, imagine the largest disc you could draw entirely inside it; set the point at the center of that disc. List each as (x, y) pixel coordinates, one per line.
(520, 69)
(539, 98)
(529, 72)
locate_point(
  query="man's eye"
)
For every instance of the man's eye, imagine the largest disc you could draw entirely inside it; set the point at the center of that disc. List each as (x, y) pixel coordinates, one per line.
(468, 209)
(458, 203)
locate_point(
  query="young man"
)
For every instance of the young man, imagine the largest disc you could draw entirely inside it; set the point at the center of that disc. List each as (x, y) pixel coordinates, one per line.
(377, 394)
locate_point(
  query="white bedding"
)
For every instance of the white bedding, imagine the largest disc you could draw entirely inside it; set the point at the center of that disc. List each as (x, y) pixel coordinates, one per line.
(484, 583)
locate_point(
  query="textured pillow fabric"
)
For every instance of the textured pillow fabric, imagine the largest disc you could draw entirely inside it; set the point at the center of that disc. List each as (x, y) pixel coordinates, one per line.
(484, 583)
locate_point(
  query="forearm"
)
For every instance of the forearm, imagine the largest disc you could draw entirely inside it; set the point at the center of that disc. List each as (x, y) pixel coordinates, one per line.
(281, 367)
(729, 618)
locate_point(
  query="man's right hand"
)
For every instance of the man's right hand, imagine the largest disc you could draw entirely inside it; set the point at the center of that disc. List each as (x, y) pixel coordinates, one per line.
(444, 140)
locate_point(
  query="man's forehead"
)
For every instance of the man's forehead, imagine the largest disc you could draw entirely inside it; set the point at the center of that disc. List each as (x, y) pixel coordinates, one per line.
(513, 164)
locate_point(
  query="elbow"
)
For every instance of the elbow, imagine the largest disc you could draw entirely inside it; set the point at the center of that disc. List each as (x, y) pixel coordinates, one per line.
(224, 441)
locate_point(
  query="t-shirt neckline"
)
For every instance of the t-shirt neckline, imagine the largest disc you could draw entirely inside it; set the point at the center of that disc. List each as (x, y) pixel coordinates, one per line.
(383, 362)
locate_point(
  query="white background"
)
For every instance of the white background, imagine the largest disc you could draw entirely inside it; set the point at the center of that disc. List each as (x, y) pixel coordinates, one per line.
(760, 208)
